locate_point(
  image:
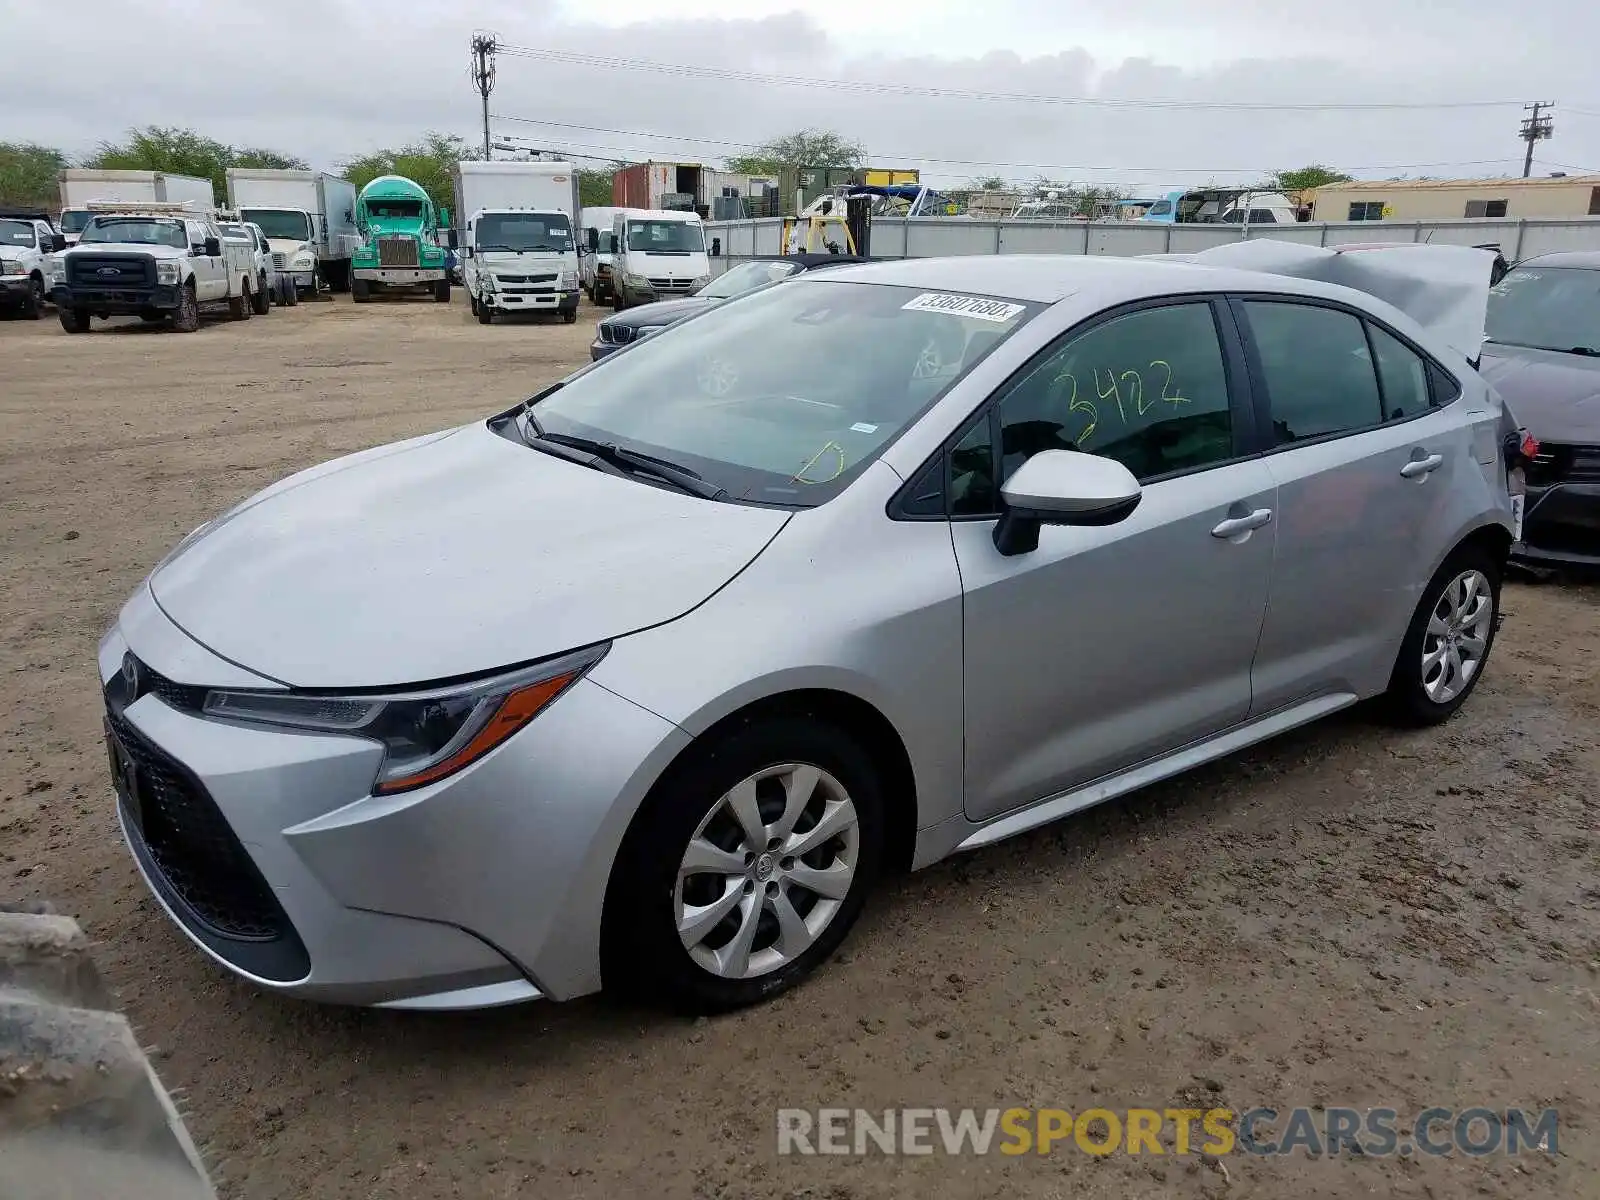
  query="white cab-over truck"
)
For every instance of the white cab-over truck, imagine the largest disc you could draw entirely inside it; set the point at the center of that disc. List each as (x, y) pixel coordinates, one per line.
(517, 249)
(83, 186)
(309, 218)
(27, 239)
(158, 262)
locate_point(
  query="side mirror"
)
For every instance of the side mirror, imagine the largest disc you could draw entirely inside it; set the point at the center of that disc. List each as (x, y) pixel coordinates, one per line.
(466, 252)
(451, 239)
(58, 241)
(1062, 487)
(716, 246)
(213, 247)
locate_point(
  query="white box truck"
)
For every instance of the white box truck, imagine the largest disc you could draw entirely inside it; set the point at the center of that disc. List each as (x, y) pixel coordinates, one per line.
(516, 243)
(81, 186)
(309, 218)
(596, 249)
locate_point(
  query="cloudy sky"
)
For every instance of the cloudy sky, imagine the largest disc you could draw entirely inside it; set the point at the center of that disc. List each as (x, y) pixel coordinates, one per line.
(329, 79)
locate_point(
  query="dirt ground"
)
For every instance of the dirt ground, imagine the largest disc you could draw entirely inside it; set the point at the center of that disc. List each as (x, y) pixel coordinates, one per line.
(1348, 916)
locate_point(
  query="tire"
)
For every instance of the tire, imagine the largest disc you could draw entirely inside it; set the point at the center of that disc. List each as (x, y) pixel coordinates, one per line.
(239, 306)
(570, 317)
(485, 314)
(360, 291)
(291, 296)
(262, 297)
(75, 320)
(1450, 616)
(33, 303)
(441, 291)
(186, 317)
(643, 951)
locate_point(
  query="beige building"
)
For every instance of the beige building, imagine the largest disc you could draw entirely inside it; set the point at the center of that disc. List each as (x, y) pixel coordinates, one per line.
(1453, 199)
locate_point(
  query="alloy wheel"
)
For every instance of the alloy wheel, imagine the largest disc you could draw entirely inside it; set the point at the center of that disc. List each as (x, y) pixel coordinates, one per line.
(766, 871)
(1457, 636)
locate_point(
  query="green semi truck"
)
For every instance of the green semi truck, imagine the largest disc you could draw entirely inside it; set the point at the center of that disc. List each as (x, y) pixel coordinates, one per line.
(399, 228)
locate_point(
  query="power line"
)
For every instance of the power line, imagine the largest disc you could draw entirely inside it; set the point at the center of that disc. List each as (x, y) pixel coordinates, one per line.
(883, 88)
(966, 162)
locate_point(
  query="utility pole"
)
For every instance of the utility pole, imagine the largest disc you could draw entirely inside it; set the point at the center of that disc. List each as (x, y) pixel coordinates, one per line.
(1534, 129)
(483, 48)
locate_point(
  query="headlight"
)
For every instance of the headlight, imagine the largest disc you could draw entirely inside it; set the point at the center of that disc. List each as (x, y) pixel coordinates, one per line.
(487, 282)
(166, 272)
(303, 260)
(58, 272)
(636, 280)
(426, 736)
(569, 280)
(7, 267)
(700, 281)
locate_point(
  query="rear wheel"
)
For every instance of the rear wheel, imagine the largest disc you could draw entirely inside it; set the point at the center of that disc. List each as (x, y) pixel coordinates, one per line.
(75, 320)
(1447, 644)
(262, 298)
(186, 317)
(239, 306)
(746, 866)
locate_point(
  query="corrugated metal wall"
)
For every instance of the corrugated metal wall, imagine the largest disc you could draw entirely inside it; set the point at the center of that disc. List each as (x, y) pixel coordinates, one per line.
(933, 236)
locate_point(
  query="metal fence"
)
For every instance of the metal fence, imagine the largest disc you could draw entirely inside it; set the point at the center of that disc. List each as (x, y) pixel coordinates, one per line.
(930, 237)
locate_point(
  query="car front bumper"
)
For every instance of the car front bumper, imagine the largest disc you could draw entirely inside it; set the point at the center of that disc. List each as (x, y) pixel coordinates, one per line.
(269, 851)
(14, 288)
(120, 301)
(514, 302)
(394, 276)
(599, 349)
(1561, 527)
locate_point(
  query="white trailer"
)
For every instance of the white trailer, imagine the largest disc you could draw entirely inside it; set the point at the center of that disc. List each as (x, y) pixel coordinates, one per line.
(516, 241)
(82, 186)
(309, 218)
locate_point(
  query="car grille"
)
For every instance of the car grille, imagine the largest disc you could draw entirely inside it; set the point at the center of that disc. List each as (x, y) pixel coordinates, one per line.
(279, 261)
(193, 847)
(525, 278)
(111, 271)
(397, 252)
(672, 285)
(617, 335)
(1564, 464)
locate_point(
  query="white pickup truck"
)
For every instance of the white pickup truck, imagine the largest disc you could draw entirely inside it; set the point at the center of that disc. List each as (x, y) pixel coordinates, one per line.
(161, 263)
(26, 240)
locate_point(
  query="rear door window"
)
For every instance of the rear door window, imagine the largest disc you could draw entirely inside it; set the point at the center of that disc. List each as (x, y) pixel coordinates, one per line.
(1317, 369)
(1403, 375)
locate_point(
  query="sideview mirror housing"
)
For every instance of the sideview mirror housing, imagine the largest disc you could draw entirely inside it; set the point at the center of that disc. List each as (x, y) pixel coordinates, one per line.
(58, 241)
(213, 247)
(1062, 487)
(450, 238)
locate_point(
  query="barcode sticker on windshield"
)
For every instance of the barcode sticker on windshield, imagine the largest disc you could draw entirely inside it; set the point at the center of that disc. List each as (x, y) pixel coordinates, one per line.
(964, 306)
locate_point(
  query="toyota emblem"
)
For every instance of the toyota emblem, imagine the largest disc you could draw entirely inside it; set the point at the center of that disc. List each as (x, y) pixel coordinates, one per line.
(130, 676)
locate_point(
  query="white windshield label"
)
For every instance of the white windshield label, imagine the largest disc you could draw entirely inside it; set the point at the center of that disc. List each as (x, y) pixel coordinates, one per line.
(964, 306)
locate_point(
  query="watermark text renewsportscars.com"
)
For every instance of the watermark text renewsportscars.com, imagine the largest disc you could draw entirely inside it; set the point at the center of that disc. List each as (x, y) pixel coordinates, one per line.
(1320, 1132)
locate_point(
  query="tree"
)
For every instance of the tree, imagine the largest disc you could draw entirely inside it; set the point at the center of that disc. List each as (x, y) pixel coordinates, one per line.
(1303, 179)
(804, 148)
(430, 163)
(185, 152)
(28, 174)
(989, 183)
(594, 184)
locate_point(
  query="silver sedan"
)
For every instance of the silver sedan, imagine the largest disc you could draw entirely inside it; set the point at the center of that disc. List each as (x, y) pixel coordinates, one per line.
(647, 679)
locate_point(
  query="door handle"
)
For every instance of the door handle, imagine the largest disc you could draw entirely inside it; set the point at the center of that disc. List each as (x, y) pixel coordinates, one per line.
(1234, 526)
(1422, 466)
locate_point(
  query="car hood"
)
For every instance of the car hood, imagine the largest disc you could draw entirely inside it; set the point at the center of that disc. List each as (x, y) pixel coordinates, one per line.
(449, 555)
(1555, 396)
(162, 252)
(660, 312)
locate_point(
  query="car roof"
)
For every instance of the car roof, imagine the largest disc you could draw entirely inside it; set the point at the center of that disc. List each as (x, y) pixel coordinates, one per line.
(1047, 278)
(1585, 259)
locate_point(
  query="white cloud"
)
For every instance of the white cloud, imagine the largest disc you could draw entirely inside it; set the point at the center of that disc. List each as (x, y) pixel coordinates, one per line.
(327, 79)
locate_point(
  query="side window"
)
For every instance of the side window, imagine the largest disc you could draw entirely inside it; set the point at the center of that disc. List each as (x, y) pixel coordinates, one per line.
(1148, 389)
(1402, 375)
(1317, 369)
(972, 483)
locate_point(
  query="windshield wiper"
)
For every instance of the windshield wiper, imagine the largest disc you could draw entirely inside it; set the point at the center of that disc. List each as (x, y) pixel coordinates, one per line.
(681, 477)
(1585, 351)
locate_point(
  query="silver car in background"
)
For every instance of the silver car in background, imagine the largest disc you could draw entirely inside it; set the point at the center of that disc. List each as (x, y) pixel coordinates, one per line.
(645, 680)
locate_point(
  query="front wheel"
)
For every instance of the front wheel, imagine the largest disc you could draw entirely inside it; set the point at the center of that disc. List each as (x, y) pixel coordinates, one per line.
(441, 291)
(261, 300)
(485, 315)
(570, 317)
(746, 866)
(1447, 644)
(75, 320)
(360, 291)
(186, 318)
(33, 302)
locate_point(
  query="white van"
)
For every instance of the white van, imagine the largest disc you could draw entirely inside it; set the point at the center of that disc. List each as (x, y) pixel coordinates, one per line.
(596, 244)
(660, 253)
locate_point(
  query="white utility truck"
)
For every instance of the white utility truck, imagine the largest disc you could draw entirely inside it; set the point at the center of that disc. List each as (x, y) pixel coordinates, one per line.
(309, 218)
(158, 262)
(82, 186)
(516, 245)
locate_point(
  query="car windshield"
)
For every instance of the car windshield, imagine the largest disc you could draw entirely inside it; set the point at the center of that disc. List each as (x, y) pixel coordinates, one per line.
(666, 237)
(746, 276)
(523, 231)
(16, 233)
(279, 222)
(786, 396)
(1552, 308)
(73, 220)
(605, 242)
(145, 231)
(395, 208)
